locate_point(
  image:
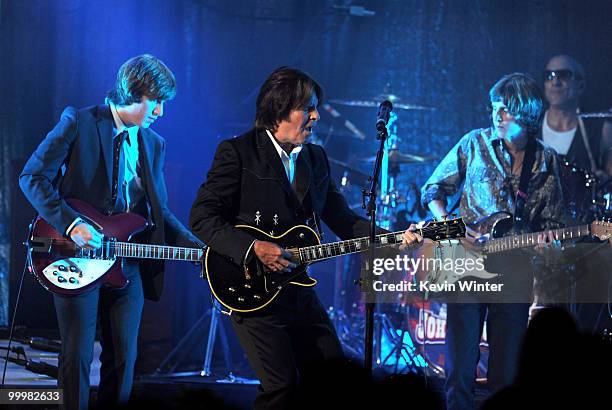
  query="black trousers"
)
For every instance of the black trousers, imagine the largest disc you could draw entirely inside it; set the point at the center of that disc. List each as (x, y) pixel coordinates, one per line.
(282, 339)
(118, 312)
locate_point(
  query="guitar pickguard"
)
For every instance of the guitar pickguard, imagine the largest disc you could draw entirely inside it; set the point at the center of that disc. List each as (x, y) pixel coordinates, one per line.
(445, 268)
(76, 273)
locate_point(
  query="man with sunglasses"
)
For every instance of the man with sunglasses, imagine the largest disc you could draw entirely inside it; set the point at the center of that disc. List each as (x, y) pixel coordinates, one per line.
(562, 129)
(588, 145)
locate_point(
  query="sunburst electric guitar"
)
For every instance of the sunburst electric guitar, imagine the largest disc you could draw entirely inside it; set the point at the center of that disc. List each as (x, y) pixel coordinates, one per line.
(496, 236)
(252, 287)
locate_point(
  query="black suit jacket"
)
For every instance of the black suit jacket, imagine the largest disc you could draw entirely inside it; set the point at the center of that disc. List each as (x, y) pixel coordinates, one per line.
(247, 184)
(75, 160)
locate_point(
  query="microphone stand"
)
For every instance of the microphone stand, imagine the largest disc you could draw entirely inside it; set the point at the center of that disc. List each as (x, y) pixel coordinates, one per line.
(371, 195)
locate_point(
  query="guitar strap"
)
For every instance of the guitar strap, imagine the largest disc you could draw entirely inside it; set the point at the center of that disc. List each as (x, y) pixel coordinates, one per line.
(521, 193)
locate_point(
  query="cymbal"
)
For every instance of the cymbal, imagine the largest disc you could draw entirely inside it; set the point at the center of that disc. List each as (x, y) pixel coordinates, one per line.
(396, 157)
(343, 164)
(376, 103)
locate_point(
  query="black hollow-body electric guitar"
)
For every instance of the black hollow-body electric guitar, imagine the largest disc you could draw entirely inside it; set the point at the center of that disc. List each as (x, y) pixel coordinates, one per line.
(252, 287)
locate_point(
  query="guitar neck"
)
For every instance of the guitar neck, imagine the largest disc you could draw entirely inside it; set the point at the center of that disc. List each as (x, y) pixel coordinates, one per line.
(525, 240)
(316, 253)
(144, 251)
(440, 230)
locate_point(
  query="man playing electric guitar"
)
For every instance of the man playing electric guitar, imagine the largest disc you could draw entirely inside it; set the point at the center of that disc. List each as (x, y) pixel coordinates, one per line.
(272, 180)
(501, 168)
(107, 156)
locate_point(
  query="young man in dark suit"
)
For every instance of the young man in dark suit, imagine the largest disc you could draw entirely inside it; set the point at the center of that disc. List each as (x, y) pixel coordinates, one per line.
(107, 156)
(270, 178)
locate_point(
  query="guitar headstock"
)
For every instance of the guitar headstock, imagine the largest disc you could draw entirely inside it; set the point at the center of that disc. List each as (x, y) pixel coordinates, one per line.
(601, 229)
(445, 229)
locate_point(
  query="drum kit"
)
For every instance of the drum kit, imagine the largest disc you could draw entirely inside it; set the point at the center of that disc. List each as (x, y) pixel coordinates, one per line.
(586, 194)
(410, 334)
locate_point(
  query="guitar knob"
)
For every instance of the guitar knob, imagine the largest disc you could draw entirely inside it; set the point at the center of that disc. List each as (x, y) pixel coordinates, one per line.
(62, 268)
(231, 289)
(301, 235)
(256, 297)
(73, 280)
(61, 279)
(55, 272)
(247, 286)
(73, 269)
(240, 299)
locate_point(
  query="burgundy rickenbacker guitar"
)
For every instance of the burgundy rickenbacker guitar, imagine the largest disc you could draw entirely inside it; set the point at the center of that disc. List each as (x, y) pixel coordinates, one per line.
(64, 268)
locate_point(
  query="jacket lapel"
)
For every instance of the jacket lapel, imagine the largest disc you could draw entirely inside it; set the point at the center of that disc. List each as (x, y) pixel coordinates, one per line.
(273, 160)
(146, 154)
(303, 174)
(104, 123)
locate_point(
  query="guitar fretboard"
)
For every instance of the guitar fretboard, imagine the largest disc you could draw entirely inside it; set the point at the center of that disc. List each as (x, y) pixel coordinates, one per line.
(111, 249)
(143, 251)
(507, 243)
(315, 253)
(440, 230)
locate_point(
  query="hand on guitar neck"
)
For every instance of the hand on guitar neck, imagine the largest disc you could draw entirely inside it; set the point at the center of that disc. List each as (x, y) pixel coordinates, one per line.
(86, 236)
(546, 240)
(410, 238)
(273, 256)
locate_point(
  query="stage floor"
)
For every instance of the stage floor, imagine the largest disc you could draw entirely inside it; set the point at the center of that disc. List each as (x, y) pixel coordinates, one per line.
(161, 389)
(168, 391)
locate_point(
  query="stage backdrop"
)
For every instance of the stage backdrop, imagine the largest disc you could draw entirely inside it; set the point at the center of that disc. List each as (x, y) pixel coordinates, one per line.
(439, 54)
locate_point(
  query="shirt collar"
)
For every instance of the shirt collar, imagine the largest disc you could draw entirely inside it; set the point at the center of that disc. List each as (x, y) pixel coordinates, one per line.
(281, 152)
(491, 134)
(119, 126)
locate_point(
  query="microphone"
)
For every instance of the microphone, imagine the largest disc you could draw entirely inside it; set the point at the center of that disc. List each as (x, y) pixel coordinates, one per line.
(384, 111)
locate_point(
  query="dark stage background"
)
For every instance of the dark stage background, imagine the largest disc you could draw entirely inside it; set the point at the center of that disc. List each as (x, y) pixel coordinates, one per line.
(443, 54)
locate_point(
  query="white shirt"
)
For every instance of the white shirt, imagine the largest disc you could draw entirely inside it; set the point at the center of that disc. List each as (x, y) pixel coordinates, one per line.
(132, 184)
(559, 141)
(289, 160)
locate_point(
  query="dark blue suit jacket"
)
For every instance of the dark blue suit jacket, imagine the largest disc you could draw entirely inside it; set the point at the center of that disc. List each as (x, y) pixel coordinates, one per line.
(75, 160)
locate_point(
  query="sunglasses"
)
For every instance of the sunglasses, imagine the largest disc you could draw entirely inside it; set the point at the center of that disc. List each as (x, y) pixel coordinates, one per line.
(563, 74)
